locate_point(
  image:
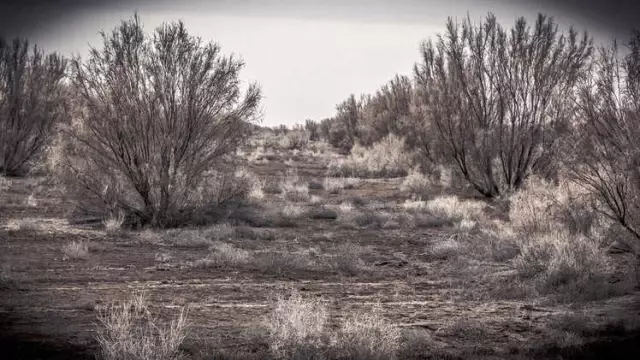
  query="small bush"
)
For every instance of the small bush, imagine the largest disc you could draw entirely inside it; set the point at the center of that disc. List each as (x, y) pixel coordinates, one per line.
(367, 335)
(335, 185)
(416, 183)
(294, 140)
(560, 260)
(385, 159)
(296, 328)
(129, 331)
(293, 188)
(113, 224)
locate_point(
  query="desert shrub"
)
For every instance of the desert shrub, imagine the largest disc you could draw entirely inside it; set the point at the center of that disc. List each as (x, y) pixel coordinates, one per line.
(472, 82)
(160, 117)
(367, 335)
(313, 129)
(293, 188)
(223, 255)
(129, 331)
(416, 183)
(544, 207)
(608, 153)
(385, 159)
(294, 140)
(32, 102)
(335, 185)
(296, 328)
(561, 261)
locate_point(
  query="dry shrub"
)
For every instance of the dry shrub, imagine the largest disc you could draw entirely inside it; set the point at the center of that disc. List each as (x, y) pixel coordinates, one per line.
(75, 250)
(562, 262)
(544, 207)
(296, 328)
(129, 331)
(385, 159)
(24, 224)
(347, 260)
(416, 183)
(334, 185)
(146, 146)
(224, 255)
(293, 188)
(32, 102)
(367, 335)
(5, 184)
(294, 140)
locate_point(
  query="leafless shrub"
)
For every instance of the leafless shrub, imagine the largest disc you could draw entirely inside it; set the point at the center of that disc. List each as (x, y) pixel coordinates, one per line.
(475, 83)
(608, 155)
(154, 149)
(75, 250)
(334, 185)
(129, 331)
(24, 224)
(294, 140)
(32, 102)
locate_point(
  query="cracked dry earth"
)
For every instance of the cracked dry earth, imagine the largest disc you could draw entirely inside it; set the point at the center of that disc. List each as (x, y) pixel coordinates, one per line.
(443, 308)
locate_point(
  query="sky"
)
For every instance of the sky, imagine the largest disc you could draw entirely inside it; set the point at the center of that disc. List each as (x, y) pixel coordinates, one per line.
(307, 55)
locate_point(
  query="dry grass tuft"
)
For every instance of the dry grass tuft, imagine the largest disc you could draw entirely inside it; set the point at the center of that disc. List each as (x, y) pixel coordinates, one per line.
(450, 207)
(113, 224)
(75, 250)
(129, 331)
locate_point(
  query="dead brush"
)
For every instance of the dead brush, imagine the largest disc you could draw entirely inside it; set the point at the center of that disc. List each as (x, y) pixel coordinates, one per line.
(129, 331)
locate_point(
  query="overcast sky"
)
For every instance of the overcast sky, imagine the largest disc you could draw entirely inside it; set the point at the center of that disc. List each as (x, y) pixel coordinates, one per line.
(307, 55)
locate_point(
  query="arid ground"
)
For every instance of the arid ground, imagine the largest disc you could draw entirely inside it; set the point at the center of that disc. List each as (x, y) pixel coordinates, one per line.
(353, 243)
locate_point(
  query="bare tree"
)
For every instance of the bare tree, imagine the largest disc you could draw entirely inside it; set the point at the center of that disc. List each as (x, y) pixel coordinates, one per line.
(31, 103)
(160, 113)
(496, 96)
(608, 156)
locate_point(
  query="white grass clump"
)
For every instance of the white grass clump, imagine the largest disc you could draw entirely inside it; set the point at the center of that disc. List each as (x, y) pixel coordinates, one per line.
(293, 188)
(113, 223)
